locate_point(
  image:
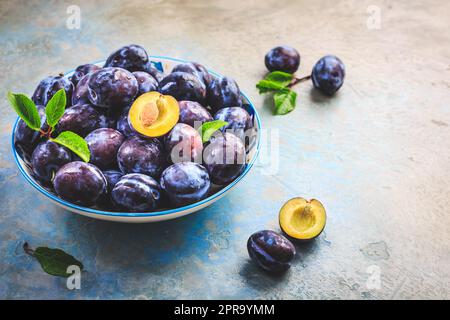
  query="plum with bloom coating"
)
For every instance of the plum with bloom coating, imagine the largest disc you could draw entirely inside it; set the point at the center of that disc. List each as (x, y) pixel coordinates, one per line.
(328, 74)
(223, 92)
(26, 139)
(103, 144)
(132, 58)
(185, 183)
(136, 192)
(224, 158)
(183, 143)
(81, 71)
(47, 158)
(80, 182)
(271, 251)
(49, 86)
(141, 155)
(192, 112)
(123, 125)
(196, 69)
(112, 177)
(112, 88)
(146, 82)
(183, 86)
(81, 119)
(282, 58)
(237, 118)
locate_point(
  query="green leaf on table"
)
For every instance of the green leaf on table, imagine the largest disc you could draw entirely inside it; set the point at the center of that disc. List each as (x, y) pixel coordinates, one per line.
(280, 77)
(26, 109)
(53, 261)
(55, 108)
(207, 129)
(274, 81)
(265, 86)
(75, 143)
(284, 101)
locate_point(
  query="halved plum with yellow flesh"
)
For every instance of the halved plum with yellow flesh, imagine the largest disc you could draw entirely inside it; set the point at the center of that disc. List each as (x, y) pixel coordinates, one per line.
(302, 219)
(154, 114)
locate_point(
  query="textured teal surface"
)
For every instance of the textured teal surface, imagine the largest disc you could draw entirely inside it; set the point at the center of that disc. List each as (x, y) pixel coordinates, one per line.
(376, 155)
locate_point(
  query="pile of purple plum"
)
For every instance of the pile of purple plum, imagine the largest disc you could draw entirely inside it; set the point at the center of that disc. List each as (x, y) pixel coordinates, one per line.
(127, 171)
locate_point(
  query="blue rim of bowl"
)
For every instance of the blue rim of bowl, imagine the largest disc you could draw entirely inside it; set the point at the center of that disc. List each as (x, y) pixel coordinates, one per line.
(143, 214)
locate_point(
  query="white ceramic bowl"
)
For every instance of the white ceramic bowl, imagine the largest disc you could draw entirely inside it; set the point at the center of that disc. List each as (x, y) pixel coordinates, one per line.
(166, 64)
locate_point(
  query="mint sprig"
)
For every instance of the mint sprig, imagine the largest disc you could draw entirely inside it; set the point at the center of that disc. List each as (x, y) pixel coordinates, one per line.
(207, 129)
(53, 261)
(280, 77)
(278, 83)
(274, 81)
(54, 110)
(284, 101)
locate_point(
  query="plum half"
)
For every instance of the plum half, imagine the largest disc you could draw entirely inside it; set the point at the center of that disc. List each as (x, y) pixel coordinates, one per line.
(302, 219)
(153, 114)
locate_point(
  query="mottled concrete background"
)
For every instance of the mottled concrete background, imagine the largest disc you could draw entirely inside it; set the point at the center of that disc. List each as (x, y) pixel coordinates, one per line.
(377, 155)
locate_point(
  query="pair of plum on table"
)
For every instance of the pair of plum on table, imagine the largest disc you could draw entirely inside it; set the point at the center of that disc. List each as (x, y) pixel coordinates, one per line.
(139, 127)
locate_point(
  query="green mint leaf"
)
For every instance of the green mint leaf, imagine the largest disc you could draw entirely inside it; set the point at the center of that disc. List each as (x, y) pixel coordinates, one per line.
(55, 108)
(265, 86)
(26, 109)
(282, 78)
(274, 81)
(75, 143)
(207, 129)
(53, 261)
(284, 101)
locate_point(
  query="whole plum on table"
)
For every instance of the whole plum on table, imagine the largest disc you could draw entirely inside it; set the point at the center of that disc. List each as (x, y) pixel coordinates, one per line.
(183, 86)
(185, 183)
(26, 139)
(283, 58)
(80, 183)
(154, 72)
(132, 58)
(47, 158)
(123, 125)
(81, 119)
(271, 251)
(112, 88)
(146, 82)
(184, 143)
(328, 74)
(81, 71)
(223, 92)
(103, 144)
(141, 155)
(196, 69)
(191, 112)
(136, 192)
(49, 86)
(224, 158)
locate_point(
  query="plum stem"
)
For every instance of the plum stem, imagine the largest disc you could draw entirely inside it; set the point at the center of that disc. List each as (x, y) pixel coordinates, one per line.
(298, 80)
(27, 249)
(47, 133)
